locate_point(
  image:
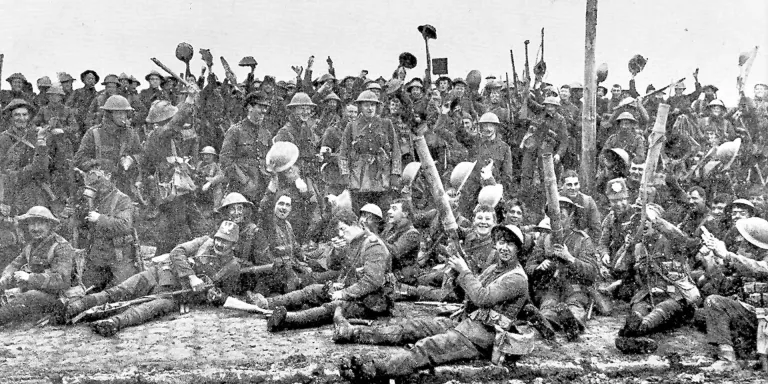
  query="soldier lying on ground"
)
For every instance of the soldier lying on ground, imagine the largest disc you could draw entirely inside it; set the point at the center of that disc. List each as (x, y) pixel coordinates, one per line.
(185, 267)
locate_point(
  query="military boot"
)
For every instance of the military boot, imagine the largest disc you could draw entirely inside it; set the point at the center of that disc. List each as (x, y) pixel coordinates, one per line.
(85, 303)
(651, 322)
(281, 319)
(763, 362)
(343, 331)
(313, 295)
(257, 299)
(361, 369)
(726, 361)
(636, 345)
(538, 321)
(107, 327)
(568, 321)
(632, 324)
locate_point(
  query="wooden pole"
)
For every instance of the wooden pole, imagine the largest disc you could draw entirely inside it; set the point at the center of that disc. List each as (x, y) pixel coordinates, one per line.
(589, 109)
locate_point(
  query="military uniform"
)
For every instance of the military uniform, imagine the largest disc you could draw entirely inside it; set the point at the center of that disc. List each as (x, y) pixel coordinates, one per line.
(567, 289)
(25, 167)
(49, 263)
(242, 158)
(307, 138)
(80, 101)
(550, 136)
(62, 147)
(587, 218)
(194, 257)
(402, 241)
(111, 258)
(370, 156)
(631, 142)
(107, 141)
(367, 294)
(440, 341)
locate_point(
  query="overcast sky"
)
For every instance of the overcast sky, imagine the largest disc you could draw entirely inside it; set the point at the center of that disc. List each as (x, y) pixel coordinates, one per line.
(44, 37)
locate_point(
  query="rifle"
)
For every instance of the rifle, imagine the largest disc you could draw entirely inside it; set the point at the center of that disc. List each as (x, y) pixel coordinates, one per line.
(111, 309)
(646, 97)
(230, 75)
(169, 71)
(509, 99)
(527, 86)
(514, 70)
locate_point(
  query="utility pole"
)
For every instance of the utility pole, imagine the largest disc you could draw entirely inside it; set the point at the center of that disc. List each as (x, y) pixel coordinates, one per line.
(589, 108)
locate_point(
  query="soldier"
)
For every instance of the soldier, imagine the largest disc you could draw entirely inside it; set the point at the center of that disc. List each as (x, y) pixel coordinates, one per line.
(41, 100)
(364, 289)
(568, 270)
(680, 103)
(17, 81)
(666, 296)
(489, 150)
(111, 88)
(615, 224)
(370, 157)
(700, 106)
(402, 240)
(82, 98)
(494, 299)
(210, 177)
(245, 145)
(61, 122)
(496, 105)
(716, 122)
(66, 80)
(587, 218)
(108, 217)
(114, 140)
(24, 162)
(185, 268)
(301, 129)
(547, 134)
(155, 90)
(42, 271)
(627, 137)
(729, 320)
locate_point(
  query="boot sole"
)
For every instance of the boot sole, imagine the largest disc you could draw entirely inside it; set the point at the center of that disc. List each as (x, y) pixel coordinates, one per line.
(275, 322)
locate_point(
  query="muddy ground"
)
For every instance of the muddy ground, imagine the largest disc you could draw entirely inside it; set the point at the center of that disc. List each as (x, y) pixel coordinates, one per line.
(224, 346)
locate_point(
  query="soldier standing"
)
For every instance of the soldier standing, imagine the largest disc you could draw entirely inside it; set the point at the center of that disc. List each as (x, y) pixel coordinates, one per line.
(301, 129)
(81, 99)
(244, 148)
(42, 271)
(94, 114)
(547, 134)
(370, 155)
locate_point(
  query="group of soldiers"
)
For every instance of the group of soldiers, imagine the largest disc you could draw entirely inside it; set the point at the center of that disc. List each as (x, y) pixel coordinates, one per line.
(319, 200)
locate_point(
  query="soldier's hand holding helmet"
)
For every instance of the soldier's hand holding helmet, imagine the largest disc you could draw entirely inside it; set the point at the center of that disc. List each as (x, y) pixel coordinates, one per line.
(301, 185)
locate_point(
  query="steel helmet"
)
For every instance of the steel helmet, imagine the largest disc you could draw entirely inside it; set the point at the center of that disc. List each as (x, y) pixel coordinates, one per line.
(301, 98)
(621, 153)
(602, 72)
(44, 81)
(368, 97)
(562, 200)
(38, 212)
(208, 151)
(234, 198)
(117, 103)
(680, 85)
(373, 85)
(161, 110)
(184, 52)
(544, 225)
(575, 85)
(727, 152)
(490, 195)
(414, 83)
(744, 203)
(494, 84)
(291, 83)
(754, 230)
(553, 100)
(626, 116)
(459, 80)
(16, 75)
(56, 90)
(228, 230)
(636, 64)
(281, 156)
(326, 77)
(247, 61)
(92, 72)
(373, 209)
(461, 173)
(64, 77)
(18, 103)
(154, 73)
(489, 117)
(716, 102)
(110, 79)
(713, 87)
(509, 228)
(474, 77)
(332, 96)
(409, 172)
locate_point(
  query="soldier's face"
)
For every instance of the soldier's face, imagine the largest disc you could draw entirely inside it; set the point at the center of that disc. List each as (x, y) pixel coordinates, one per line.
(709, 93)
(679, 91)
(571, 186)
(718, 209)
(757, 200)
(515, 215)
(236, 213)
(627, 125)
(332, 104)
(55, 98)
(695, 200)
(20, 117)
(738, 213)
(453, 198)
(67, 85)
(495, 96)
(368, 109)
(636, 172)
(222, 247)
(488, 130)
(17, 85)
(303, 112)
(395, 213)
(394, 106)
(89, 79)
(468, 126)
(459, 89)
(351, 111)
(120, 118)
(110, 88)
(761, 91)
(716, 110)
(483, 223)
(506, 248)
(98, 179)
(565, 217)
(39, 228)
(154, 82)
(551, 109)
(615, 92)
(442, 85)
(565, 93)
(256, 113)
(416, 92)
(283, 208)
